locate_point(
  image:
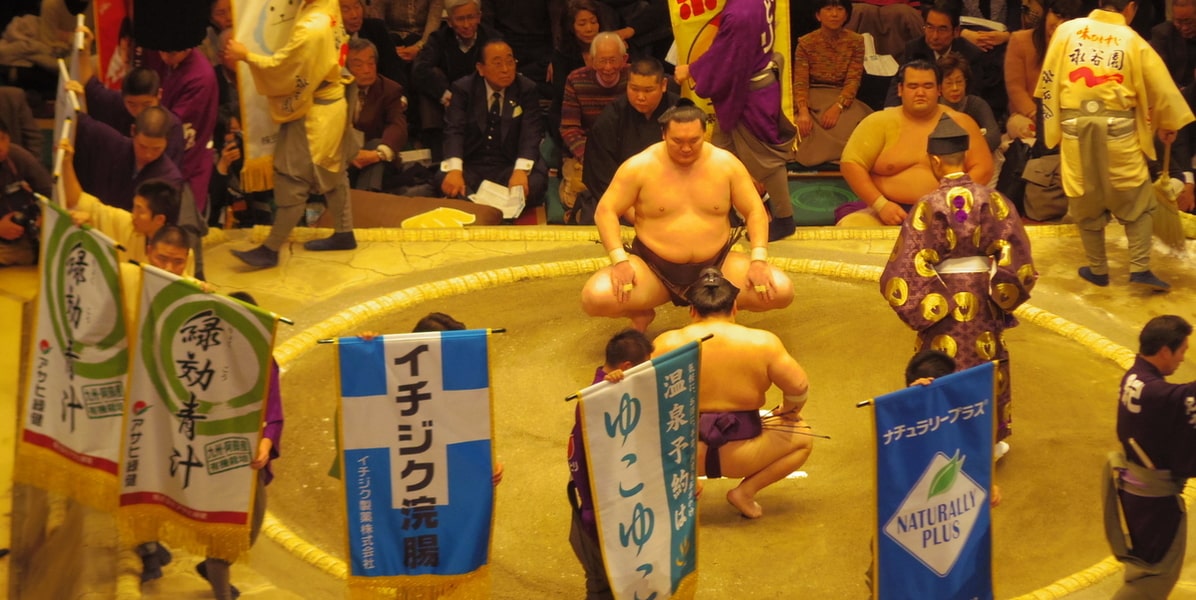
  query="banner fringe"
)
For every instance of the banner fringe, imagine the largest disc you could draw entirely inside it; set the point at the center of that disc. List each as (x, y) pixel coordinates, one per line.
(688, 586)
(257, 174)
(151, 523)
(45, 469)
(471, 585)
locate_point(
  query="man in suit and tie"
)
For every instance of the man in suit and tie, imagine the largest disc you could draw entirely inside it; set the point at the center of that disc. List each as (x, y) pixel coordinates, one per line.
(451, 53)
(381, 117)
(493, 129)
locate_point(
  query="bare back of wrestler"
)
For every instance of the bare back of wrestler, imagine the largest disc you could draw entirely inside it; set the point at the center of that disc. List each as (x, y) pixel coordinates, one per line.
(739, 365)
(679, 194)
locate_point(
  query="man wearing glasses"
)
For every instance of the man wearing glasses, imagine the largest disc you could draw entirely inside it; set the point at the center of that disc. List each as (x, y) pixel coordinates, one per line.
(493, 128)
(1175, 41)
(940, 35)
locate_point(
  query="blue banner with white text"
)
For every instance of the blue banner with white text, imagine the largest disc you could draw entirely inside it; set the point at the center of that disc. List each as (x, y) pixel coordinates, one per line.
(934, 465)
(417, 457)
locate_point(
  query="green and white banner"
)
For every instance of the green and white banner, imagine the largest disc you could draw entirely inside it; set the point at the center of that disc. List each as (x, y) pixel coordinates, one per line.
(70, 434)
(200, 375)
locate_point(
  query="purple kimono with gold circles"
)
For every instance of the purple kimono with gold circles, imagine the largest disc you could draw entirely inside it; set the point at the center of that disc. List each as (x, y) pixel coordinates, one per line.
(959, 268)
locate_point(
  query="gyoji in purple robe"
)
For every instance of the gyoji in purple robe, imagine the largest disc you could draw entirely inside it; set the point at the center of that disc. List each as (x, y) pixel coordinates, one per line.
(959, 268)
(738, 74)
(742, 48)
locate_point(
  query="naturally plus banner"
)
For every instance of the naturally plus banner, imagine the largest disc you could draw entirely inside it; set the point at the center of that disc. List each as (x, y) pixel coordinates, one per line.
(933, 487)
(935, 520)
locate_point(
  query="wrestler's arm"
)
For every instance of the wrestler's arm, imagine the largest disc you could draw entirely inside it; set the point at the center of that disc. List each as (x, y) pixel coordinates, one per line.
(618, 199)
(746, 200)
(860, 181)
(860, 154)
(789, 376)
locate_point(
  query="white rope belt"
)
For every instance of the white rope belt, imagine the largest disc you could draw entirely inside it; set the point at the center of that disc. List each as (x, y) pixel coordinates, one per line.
(969, 264)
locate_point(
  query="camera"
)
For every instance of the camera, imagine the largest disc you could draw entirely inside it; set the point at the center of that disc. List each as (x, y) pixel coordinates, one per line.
(25, 209)
(239, 144)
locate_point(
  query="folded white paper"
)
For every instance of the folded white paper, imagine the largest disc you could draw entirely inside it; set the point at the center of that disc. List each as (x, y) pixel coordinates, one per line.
(981, 24)
(508, 200)
(881, 65)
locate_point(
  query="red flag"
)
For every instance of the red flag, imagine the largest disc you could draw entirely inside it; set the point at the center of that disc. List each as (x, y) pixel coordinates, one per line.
(114, 41)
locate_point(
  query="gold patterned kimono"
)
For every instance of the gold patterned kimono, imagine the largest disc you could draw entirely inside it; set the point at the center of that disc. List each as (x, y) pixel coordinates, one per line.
(959, 268)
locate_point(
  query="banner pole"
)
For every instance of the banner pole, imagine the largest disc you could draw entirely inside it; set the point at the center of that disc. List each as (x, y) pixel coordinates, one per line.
(60, 156)
(79, 25)
(333, 340)
(66, 74)
(575, 396)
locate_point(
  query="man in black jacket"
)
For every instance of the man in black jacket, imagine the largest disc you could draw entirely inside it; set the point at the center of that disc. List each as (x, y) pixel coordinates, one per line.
(450, 54)
(940, 35)
(1175, 41)
(627, 125)
(493, 129)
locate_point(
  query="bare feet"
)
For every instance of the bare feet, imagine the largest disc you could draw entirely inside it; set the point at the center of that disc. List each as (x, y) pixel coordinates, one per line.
(746, 505)
(640, 321)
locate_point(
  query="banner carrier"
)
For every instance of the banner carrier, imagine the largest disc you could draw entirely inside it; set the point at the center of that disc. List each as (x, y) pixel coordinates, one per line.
(572, 397)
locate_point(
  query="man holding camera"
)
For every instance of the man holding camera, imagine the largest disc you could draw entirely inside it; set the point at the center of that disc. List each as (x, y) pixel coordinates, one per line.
(20, 174)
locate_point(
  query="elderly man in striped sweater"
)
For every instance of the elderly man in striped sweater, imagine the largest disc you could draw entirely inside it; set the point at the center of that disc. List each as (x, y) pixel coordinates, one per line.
(587, 91)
